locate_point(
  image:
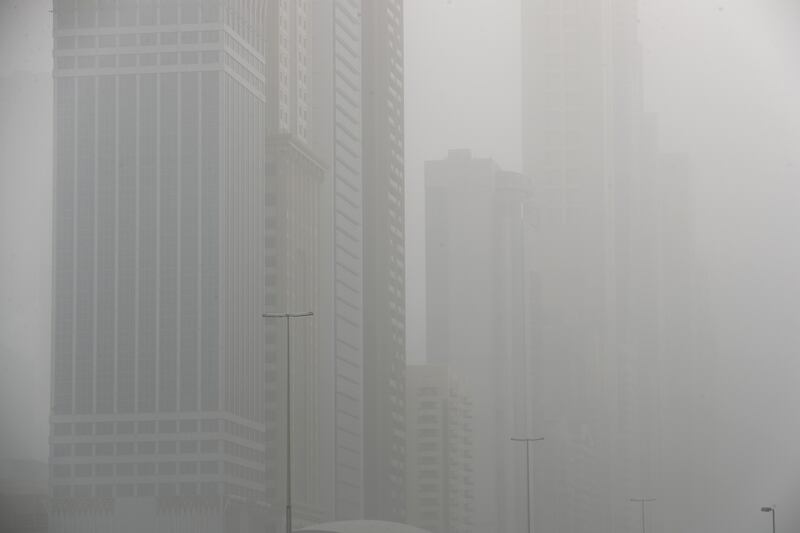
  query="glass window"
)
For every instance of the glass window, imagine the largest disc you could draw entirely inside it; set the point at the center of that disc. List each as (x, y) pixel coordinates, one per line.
(127, 60)
(125, 448)
(83, 449)
(148, 39)
(105, 448)
(187, 426)
(167, 447)
(146, 448)
(167, 468)
(125, 490)
(188, 446)
(61, 471)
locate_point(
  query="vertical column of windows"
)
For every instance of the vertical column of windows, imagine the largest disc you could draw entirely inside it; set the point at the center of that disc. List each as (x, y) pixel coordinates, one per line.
(210, 143)
(148, 243)
(106, 243)
(168, 248)
(126, 259)
(85, 246)
(189, 240)
(227, 177)
(64, 242)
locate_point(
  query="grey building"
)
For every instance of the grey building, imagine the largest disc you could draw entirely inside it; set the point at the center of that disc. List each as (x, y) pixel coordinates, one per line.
(475, 315)
(384, 261)
(608, 257)
(440, 483)
(177, 160)
(338, 112)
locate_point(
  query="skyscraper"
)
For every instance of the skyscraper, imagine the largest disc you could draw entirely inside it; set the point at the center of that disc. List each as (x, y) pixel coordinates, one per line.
(582, 114)
(475, 314)
(181, 145)
(384, 261)
(338, 139)
(295, 175)
(607, 223)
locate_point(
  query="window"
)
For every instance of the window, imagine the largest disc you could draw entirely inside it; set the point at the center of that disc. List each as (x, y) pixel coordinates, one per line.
(62, 450)
(167, 468)
(146, 448)
(125, 469)
(167, 447)
(124, 448)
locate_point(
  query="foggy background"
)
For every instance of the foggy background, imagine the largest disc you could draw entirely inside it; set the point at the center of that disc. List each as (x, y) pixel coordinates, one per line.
(722, 77)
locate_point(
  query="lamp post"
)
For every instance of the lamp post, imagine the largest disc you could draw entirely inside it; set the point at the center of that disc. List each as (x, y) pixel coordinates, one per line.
(770, 510)
(643, 501)
(288, 317)
(528, 442)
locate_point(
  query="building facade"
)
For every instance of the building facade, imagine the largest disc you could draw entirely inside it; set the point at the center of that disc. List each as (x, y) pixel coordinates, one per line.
(475, 314)
(439, 464)
(384, 261)
(605, 231)
(177, 160)
(338, 139)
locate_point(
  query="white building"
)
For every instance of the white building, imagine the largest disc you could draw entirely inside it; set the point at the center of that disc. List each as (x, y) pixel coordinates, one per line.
(476, 313)
(439, 466)
(384, 262)
(338, 139)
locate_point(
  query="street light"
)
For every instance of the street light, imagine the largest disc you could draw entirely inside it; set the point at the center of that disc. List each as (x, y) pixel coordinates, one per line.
(288, 317)
(770, 510)
(643, 501)
(527, 442)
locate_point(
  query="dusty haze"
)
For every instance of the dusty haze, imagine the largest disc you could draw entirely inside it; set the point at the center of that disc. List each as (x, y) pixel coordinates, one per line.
(720, 76)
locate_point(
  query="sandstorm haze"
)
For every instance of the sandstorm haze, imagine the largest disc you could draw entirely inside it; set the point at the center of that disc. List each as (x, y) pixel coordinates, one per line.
(650, 335)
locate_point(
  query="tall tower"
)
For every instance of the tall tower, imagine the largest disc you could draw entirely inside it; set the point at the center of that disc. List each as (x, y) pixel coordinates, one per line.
(605, 229)
(177, 164)
(295, 175)
(384, 262)
(581, 100)
(475, 310)
(338, 112)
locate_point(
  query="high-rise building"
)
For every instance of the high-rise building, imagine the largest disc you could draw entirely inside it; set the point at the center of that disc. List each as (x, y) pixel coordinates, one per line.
(582, 114)
(338, 112)
(384, 261)
(475, 314)
(605, 230)
(184, 208)
(439, 465)
(295, 175)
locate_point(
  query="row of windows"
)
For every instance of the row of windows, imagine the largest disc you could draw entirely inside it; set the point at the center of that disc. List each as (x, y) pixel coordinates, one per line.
(71, 42)
(110, 13)
(107, 449)
(138, 60)
(163, 468)
(121, 490)
(62, 429)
